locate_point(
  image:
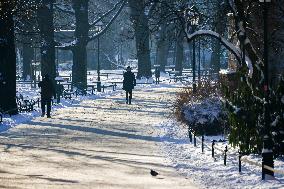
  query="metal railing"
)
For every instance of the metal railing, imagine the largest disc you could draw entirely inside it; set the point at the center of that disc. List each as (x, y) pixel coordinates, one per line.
(224, 152)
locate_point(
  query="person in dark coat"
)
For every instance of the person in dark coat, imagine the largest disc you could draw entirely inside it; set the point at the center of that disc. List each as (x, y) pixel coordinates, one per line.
(129, 82)
(157, 75)
(47, 92)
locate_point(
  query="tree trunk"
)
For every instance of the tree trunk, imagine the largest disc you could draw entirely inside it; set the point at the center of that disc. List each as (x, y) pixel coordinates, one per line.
(79, 68)
(179, 53)
(163, 46)
(220, 27)
(216, 56)
(7, 59)
(163, 43)
(27, 60)
(45, 21)
(140, 23)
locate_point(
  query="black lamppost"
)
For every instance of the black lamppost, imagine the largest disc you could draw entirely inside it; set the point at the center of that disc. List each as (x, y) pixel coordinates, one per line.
(99, 85)
(267, 152)
(122, 31)
(194, 21)
(157, 37)
(199, 61)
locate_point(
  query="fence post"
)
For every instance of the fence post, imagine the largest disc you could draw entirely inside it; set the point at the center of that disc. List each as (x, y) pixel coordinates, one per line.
(240, 162)
(38, 102)
(194, 140)
(267, 157)
(213, 143)
(202, 144)
(225, 156)
(189, 135)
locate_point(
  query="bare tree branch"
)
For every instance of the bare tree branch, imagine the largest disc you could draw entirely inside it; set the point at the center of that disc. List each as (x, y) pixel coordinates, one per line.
(106, 14)
(64, 9)
(109, 23)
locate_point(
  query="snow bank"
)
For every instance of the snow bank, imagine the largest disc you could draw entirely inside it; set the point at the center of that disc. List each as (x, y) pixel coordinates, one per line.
(208, 172)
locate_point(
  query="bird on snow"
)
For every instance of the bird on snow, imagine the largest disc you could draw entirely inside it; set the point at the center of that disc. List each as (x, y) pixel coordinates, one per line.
(153, 173)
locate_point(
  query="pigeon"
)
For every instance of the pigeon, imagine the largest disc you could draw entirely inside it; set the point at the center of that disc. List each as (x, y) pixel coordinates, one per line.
(153, 173)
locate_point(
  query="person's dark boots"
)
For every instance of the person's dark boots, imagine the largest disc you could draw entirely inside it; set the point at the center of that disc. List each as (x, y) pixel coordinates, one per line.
(127, 101)
(42, 115)
(130, 101)
(48, 116)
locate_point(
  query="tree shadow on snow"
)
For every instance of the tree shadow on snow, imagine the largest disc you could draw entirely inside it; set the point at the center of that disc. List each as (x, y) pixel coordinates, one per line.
(107, 132)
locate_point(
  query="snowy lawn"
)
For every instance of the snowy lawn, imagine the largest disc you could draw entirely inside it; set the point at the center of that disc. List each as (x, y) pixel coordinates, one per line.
(209, 172)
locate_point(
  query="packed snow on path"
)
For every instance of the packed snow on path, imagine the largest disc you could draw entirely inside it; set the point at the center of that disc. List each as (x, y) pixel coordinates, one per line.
(96, 143)
(34, 93)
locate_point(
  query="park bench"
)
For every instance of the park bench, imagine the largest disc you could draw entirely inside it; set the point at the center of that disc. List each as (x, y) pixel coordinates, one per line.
(120, 82)
(106, 86)
(67, 85)
(91, 88)
(179, 78)
(82, 92)
(25, 105)
(170, 67)
(105, 74)
(173, 73)
(2, 114)
(66, 77)
(67, 94)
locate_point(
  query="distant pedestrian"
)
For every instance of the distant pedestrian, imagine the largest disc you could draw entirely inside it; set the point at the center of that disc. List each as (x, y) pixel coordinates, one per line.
(47, 92)
(129, 82)
(157, 75)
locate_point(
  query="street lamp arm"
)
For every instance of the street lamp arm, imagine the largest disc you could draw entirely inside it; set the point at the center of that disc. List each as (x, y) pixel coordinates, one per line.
(230, 46)
(108, 24)
(93, 24)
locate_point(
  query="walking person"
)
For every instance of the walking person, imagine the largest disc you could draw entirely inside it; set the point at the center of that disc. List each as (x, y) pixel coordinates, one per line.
(157, 74)
(47, 92)
(129, 82)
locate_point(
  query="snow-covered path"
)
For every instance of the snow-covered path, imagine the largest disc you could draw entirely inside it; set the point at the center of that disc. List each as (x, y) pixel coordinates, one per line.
(101, 143)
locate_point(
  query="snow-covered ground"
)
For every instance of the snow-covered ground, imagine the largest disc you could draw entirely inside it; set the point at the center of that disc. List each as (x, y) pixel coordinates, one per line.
(97, 141)
(34, 93)
(209, 172)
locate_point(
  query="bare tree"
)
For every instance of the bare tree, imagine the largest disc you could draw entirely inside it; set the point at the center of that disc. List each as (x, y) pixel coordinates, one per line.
(142, 33)
(46, 27)
(7, 58)
(80, 10)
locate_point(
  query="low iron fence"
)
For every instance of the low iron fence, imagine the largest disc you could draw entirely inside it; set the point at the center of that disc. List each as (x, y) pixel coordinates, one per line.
(224, 152)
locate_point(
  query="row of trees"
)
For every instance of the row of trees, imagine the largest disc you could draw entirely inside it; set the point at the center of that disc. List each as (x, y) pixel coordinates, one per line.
(41, 23)
(34, 21)
(235, 24)
(239, 27)
(245, 90)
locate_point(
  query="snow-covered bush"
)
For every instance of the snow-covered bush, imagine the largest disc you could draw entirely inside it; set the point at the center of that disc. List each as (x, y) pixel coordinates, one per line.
(202, 111)
(205, 116)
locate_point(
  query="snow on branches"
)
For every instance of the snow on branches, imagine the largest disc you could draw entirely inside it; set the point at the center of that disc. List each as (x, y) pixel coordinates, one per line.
(230, 46)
